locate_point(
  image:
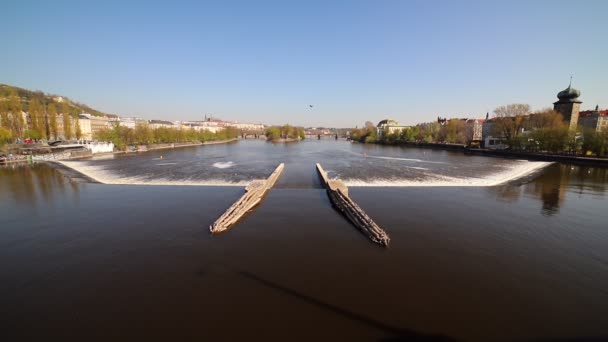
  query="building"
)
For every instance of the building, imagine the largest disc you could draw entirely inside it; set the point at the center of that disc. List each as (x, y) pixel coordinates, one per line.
(389, 126)
(490, 140)
(245, 126)
(569, 105)
(132, 122)
(475, 129)
(154, 124)
(90, 125)
(198, 126)
(84, 123)
(593, 119)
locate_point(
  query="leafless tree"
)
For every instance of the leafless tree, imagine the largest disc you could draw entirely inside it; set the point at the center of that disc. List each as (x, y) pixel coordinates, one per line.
(510, 119)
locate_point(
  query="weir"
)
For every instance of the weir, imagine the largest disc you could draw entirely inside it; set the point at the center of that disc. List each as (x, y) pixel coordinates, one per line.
(338, 195)
(254, 193)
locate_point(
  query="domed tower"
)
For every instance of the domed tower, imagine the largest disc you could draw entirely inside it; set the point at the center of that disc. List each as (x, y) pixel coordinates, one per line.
(569, 105)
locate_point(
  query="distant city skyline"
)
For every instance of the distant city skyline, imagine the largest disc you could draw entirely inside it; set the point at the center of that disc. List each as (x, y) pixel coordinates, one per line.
(269, 61)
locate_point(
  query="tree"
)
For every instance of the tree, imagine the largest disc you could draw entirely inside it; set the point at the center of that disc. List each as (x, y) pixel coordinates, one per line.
(546, 118)
(51, 112)
(4, 117)
(32, 134)
(16, 117)
(67, 122)
(510, 120)
(78, 132)
(6, 135)
(595, 142)
(36, 117)
(143, 134)
(456, 131)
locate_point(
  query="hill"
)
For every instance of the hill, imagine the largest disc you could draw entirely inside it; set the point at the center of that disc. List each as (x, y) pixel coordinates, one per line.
(27, 95)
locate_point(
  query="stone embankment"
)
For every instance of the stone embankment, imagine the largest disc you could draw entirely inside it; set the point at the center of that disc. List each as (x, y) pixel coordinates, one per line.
(338, 195)
(254, 193)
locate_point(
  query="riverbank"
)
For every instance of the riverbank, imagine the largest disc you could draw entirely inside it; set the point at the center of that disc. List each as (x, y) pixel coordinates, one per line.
(85, 153)
(287, 140)
(567, 159)
(578, 160)
(157, 147)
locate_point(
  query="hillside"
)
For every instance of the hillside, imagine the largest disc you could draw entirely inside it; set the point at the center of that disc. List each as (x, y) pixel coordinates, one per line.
(26, 95)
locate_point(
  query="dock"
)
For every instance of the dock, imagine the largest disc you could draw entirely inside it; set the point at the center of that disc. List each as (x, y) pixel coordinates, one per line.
(338, 195)
(254, 194)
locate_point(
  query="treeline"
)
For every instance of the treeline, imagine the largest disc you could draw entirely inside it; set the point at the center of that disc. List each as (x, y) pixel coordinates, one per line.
(143, 134)
(41, 120)
(514, 125)
(453, 132)
(284, 132)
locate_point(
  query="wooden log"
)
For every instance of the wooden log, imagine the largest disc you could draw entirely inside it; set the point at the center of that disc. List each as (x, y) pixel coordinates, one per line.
(254, 194)
(338, 195)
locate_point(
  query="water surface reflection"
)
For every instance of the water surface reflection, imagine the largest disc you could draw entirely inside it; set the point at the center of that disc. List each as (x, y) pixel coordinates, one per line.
(556, 184)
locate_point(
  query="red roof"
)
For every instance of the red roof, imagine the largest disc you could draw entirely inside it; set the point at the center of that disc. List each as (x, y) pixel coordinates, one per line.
(586, 113)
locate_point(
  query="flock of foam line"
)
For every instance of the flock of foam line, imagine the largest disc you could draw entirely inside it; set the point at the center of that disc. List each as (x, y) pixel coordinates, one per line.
(336, 190)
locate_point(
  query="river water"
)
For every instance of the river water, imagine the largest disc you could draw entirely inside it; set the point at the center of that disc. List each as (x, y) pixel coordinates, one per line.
(477, 252)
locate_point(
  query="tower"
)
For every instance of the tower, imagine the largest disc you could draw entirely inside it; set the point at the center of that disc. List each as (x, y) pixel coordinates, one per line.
(569, 105)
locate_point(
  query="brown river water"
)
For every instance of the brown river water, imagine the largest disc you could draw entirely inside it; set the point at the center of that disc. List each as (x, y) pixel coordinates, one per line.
(477, 253)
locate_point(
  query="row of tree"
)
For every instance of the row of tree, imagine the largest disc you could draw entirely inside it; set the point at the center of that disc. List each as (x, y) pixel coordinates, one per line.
(284, 132)
(143, 134)
(42, 115)
(515, 124)
(454, 132)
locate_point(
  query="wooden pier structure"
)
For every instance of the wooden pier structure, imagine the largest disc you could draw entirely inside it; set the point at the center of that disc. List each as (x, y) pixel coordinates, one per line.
(254, 193)
(338, 195)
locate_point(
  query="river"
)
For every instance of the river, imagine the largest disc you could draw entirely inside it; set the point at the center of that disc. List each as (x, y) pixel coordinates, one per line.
(477, 252)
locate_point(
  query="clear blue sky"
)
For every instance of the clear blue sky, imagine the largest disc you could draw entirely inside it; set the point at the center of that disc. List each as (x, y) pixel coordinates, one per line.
(267, 61)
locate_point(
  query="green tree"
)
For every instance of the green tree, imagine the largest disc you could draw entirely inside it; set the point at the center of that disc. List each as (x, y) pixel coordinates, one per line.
(595, 142)
(16, 117)
(36, 117)
(143, 134)
(4, 117)
(51, 112)
(67, 120)
(456, 131)
(6, 136)
(32, 134)
(78, 131)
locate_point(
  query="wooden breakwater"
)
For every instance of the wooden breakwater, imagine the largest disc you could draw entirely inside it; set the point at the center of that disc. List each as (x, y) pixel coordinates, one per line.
(254, 193)
(338, 195)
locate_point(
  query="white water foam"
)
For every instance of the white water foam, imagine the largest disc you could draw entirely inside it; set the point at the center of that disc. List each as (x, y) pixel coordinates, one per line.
(223, 165)
(396, 158)
(103, 176)
(519, 170)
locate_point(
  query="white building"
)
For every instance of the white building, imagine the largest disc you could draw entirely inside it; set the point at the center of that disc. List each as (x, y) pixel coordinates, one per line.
(154, 124)
(246, 126)
(202, 126)
(389, 126)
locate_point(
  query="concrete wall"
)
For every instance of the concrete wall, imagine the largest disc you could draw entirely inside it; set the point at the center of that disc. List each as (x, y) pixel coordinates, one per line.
(99, 147)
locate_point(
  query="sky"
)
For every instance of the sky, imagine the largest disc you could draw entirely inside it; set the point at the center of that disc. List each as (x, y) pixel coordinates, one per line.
(268, 61)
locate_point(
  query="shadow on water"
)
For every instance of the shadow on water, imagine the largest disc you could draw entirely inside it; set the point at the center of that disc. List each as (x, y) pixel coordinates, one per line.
(552, 186)
(31, 183)
(398, 334)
